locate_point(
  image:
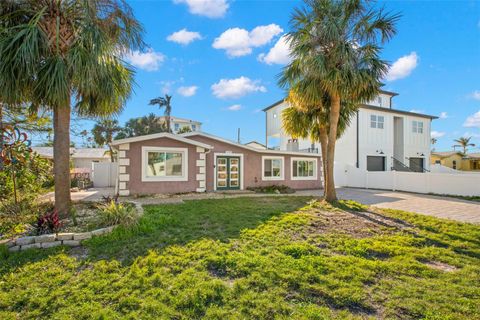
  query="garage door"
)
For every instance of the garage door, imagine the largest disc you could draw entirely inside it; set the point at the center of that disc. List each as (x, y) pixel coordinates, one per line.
(375, 163)
(416, 164)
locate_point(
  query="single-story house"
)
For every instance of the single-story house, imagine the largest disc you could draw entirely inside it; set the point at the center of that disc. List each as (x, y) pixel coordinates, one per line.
(200, 162)
(81, 158)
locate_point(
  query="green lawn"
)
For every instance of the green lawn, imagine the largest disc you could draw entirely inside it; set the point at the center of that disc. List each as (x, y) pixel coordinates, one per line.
(254, 258)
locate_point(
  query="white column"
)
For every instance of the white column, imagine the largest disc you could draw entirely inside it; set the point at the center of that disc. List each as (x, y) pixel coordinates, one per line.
(123, 164)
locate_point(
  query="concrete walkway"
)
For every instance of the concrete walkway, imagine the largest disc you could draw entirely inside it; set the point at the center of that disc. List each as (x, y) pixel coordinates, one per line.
(441, 207)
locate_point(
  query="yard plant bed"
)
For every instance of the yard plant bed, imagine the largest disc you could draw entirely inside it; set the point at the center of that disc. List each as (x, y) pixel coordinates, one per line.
(254, 258)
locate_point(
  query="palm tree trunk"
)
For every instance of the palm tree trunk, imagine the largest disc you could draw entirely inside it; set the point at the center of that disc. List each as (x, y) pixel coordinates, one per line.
(330, 193)
(112, 158)
(61, 156)
(323, 146)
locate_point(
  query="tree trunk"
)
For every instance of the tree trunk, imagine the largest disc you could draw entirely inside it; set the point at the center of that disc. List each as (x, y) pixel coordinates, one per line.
(112, 158)
(61, 159)
(330, 193)
(323, 146)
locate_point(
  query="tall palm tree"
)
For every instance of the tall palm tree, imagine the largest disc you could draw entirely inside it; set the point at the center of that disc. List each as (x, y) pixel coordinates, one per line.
(164, 102)
(464, 143)
(103, 132)
(335, 51)
(433, 141)
(67, 56)
(312, 122)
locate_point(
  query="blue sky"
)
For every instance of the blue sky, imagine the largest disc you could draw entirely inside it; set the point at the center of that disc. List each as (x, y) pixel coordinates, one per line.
(222, 68)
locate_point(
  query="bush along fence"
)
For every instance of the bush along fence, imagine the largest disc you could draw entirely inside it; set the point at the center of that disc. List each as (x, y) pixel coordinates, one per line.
(53, 240)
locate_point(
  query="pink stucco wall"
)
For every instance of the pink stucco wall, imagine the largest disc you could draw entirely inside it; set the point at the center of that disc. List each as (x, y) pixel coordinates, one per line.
(252, 166)
(137, 186)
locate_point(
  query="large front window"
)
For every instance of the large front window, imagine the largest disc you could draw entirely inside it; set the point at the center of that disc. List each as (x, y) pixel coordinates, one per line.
(166, 164)
(272, 168)
(304, 169)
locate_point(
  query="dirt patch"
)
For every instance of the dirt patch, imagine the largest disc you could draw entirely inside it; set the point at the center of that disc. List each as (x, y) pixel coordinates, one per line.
(353, 224)
(440, 266)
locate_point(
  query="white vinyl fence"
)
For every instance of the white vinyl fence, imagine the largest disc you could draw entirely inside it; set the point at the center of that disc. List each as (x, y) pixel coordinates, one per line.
(104, 174)
(467, 184)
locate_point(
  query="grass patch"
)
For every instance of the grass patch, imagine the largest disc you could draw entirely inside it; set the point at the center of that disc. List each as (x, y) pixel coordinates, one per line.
(255, 258)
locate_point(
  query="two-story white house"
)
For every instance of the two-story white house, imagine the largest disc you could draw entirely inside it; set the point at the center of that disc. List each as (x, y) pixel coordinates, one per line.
(177, 124)
(379, 137)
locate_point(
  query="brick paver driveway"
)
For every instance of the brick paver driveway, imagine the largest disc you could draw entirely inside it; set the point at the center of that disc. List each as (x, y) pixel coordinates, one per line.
(442, 207)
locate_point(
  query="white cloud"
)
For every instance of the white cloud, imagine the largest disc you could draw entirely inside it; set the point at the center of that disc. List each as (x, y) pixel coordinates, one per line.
(149, 61)
(235, 107)
(443, 115)
(402, 67)
(184, 36)
(206, 8)
(236, 88)
(473, 121)
(475, 95)
(437, 134)
(278, 54)
(187, 91)
(239, 42)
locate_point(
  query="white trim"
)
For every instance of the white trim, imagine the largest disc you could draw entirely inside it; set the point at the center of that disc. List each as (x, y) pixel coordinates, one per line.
(315, 168)
(215, 155)
(268, 151)
(183, 177)
(282, 168)
(161, 135)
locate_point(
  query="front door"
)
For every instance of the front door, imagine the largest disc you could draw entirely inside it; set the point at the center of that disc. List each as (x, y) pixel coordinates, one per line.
(228, 173)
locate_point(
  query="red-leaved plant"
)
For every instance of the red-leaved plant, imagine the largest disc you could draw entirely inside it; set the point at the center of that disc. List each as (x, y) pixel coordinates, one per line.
(48, 223)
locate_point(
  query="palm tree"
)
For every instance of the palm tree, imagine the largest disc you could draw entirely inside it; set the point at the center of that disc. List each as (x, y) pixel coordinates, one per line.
(67, 56)
(103, 132)
(433, 141)
(141, 126)
(464, 143)
(164, 102)
(312, 122)
(335, 51)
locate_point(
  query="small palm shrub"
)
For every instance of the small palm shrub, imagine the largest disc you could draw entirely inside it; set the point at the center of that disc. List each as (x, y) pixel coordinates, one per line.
(114, 213)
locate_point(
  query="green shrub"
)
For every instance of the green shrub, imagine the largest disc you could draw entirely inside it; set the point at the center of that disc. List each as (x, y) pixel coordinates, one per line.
(118, 213)
(272, 189)
(18, 218)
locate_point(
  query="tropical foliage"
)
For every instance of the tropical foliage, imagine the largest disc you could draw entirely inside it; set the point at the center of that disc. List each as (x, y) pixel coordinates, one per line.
(141, 126)
(335, 51)
(464, 143)
(165, 103)
(184, 129)
(64, 56)
(103, 132)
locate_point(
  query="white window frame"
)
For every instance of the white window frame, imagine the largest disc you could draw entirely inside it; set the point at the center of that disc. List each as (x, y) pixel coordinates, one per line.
(374, 121)
(183, 177)
(417, 126)
(282, 168)
(315, 168)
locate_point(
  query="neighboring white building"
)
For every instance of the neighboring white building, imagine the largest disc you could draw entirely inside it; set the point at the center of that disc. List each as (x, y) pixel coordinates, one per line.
(177, 123)
(379, 137)
(81, 157)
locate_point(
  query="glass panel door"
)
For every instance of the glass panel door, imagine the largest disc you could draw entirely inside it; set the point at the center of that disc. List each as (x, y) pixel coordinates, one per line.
(222, 173)
(228, 173)
(234, 173)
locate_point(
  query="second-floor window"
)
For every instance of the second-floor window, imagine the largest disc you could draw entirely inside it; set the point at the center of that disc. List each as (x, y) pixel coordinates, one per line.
(177, 126)
(377, 121)
(417, 126)
(194, 127)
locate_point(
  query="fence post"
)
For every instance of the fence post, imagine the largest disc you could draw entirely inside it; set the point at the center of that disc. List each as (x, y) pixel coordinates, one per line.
(394, 182)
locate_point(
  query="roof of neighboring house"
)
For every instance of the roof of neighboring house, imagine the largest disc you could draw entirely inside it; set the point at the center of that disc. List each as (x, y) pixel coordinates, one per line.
(255, 143)
(76, 153)
(173, 119)
(161, 135)
(445, 154)
(366, 106)
(210, 136)
(473, 155)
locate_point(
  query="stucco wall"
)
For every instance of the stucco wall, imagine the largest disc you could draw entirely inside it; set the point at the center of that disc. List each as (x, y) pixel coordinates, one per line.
(252, 166)
(135, 183)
